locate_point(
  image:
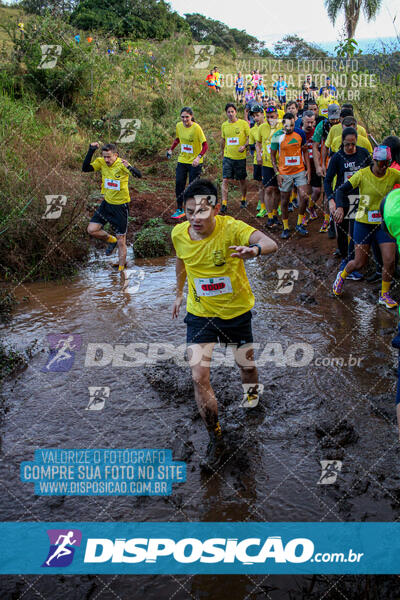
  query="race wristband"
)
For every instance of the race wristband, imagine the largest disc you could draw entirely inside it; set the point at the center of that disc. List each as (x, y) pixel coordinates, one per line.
(258, 246)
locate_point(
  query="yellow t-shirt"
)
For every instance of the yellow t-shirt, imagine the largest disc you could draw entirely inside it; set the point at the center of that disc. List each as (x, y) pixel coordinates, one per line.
(235, 135)
(253, 139)
(217, 283)
(114, 181)
(361, 141)
(280, 113)
(217, 77)
(191, 140)
(372, 191)
(264, 136)
(323, 104)
(337, 129)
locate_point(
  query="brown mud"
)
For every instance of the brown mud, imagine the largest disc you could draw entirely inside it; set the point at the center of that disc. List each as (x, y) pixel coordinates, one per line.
(307, 414)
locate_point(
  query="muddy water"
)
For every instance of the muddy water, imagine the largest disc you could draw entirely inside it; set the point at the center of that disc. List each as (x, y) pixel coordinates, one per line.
(309, 413)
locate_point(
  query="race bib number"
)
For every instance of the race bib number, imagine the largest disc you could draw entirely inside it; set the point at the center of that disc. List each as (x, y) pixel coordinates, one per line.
(112, 184)
(291, 161)
(187, 148)
(374, 216)
(324, 111)
(233, 141)
(214, 286)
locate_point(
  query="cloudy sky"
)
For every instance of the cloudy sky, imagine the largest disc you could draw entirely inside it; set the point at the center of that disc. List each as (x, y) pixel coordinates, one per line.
(268, 21)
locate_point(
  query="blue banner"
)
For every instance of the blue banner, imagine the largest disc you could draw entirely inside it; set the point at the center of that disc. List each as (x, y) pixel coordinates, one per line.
(199, 548)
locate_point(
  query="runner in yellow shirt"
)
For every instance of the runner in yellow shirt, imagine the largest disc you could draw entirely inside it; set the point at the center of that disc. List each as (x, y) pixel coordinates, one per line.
(114, 208)
(325, 100)
(336, 130)
(210, 254)
(193, 146)
(234, 142)
(270, 183)
(362, 141)
(257, 113)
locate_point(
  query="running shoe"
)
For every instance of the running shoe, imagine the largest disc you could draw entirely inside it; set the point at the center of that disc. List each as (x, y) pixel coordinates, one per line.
(178, 214)
(215, 455)
(261, 213)
(279, 211)
(243, 204)
(269, 223)
(250, 400)
(377, 276)
(290, 207)
(285, 235)
(337, 287)
(355, 276)
(301, 230)
(313, 214)
(387, 301)
(110, 248)
(324, 227)
(223, 210)
(259, 206)
(276, 222)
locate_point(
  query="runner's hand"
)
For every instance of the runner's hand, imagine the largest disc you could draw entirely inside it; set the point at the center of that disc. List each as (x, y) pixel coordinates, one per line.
(308, 177)
(176, 307)
(323, 170)
(196, 162)
(332, 206)
(339, 214)
(279, 179)
(169, 154)
(125, 162)
(242, 148)
(244, 252)
(95, 145)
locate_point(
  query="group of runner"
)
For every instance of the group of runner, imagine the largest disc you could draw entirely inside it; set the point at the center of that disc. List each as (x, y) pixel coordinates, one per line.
(302, 152)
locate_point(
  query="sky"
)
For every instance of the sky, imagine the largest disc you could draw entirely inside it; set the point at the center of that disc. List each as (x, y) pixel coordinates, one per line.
(307, 19)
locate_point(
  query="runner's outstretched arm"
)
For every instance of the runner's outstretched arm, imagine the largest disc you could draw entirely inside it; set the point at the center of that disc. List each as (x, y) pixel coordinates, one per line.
(86, 166)
(180, 271)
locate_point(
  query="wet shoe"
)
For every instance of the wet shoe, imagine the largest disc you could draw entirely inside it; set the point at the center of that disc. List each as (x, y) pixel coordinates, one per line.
(215, 456)
(258, 206)
(301, 230)
(374, 277)
(285, 235)
(313, 214)
(223, 210)
(243, 204)
(178, 214)
(355, 276)
(261, 213)
(387, 301)
(276, 222)
(269, 223)
(337, 252)
(290, 207)
(110, 248)
(250, 400)
(337, 287)
(324, 227)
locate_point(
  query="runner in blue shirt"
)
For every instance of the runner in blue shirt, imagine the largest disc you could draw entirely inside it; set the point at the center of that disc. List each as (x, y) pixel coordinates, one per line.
(280, 88)
(329, 86)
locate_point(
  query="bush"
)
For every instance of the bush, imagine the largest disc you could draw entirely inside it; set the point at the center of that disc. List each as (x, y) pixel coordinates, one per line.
(154, 239)
(11, 361)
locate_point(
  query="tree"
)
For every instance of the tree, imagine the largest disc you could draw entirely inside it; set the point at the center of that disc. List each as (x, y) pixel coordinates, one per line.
(138, 19)
(351, 10)
(210, 31)
(293, 46)
(40, 7)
